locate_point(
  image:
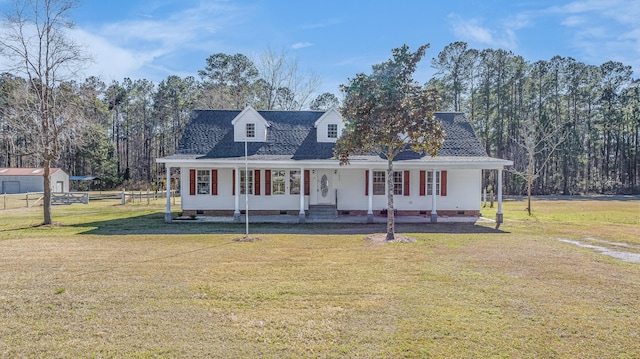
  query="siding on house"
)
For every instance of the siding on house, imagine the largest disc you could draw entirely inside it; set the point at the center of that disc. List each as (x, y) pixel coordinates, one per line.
(298, 141)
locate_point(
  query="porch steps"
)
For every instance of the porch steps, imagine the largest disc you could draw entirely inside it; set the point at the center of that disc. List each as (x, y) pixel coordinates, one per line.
(323, 212)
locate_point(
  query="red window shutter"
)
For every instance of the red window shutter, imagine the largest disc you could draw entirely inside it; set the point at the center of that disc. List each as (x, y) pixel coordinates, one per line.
(256, 183)
(406, 182)
(233, 182)
(443, 183)
(267, 182)
(307, 182)
(214, 182)
(423, 183)
(192, 182)
(366, 182)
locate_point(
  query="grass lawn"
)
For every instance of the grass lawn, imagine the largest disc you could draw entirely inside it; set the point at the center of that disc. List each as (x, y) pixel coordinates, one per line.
(114, 281)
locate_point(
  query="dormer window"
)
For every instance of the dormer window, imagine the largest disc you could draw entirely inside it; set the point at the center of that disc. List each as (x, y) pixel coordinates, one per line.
(250, 130)
(332, 130)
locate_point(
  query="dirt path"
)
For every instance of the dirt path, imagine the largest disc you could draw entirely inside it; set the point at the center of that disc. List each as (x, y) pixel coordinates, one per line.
(623, 251)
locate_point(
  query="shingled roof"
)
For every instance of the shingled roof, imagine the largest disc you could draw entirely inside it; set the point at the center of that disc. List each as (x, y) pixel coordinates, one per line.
(292, 135)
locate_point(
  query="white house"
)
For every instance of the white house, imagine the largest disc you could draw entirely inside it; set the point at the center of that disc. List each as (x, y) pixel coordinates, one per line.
(23, 180)
(289, 168)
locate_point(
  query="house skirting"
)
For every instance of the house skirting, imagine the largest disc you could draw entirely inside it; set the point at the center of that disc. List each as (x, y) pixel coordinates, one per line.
(381, 213)
(414, 213)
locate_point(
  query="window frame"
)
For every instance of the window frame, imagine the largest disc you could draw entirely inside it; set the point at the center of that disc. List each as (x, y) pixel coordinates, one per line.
(278, 182)
(203, 181)
(379, 183)
(250, 130)
(430, 183)
(398, 183)
(332, 130)
(242, 181)
(294, 182)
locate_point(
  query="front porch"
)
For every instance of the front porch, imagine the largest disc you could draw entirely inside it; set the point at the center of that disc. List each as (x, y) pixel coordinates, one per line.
(340, 218)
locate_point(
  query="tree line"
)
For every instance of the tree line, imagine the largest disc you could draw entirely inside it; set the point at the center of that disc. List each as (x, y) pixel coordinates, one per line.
(576, 125)
(125, 125)
(569, 127)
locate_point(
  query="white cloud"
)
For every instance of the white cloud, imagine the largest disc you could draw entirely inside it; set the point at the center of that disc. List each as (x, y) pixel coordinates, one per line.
(473, 31)
(109, 60)
(319, 25)
(132, 48)
(300, 45)
(602, 30)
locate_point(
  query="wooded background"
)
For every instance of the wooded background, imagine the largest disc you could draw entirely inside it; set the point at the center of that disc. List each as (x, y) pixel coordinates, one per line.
(576, 124)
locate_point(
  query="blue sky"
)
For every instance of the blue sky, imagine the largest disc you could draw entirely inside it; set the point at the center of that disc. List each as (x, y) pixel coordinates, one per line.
(336, 39)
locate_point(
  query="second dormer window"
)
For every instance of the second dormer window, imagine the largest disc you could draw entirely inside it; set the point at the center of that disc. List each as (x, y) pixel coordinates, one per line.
(251, 130)
(332, 130)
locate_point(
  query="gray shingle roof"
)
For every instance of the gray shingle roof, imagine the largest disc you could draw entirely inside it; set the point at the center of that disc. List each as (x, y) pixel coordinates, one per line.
(292, 135)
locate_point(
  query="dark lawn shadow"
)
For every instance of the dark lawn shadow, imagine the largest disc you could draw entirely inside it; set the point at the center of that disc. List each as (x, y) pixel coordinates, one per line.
(620, 197)
(154, 224)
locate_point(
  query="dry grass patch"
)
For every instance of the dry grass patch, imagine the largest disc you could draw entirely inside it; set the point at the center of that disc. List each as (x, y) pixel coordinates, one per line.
(85, 290)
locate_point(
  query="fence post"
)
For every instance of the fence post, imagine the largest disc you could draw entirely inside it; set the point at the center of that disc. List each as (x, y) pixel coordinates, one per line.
(4, 201)
(148, 200)
(123, 197)
(27, 199)
(484, 197)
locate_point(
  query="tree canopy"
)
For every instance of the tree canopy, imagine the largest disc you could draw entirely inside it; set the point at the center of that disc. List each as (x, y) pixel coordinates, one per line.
(387, 112)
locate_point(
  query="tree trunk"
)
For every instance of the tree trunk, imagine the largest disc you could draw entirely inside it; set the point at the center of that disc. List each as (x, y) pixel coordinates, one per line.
(529, 183)
(390, 215)
(46, 204)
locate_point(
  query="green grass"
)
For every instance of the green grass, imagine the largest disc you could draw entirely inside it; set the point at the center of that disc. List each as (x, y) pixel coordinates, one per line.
(114, 281)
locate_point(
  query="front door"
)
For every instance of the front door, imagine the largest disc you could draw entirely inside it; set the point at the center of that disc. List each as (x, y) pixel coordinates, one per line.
(326, 190)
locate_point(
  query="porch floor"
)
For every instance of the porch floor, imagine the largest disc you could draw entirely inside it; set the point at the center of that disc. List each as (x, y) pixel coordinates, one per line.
(338, 219)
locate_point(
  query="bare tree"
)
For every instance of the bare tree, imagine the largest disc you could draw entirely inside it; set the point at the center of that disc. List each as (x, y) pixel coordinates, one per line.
(35, 44)
(284, 85)
(538, 144)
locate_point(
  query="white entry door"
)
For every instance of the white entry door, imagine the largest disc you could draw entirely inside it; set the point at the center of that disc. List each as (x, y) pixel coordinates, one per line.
(325, 187)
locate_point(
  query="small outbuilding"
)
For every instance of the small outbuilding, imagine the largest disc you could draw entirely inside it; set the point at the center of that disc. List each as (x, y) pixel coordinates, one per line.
(23, 180)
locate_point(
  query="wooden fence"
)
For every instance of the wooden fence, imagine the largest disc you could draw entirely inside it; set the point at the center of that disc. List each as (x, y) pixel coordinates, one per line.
(27, 200)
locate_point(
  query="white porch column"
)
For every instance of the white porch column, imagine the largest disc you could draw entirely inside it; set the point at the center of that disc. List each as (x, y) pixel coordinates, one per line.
(167, 212)
(302, 213)
(236, 212)
(434, 212)
(499, 216)
(370, 191)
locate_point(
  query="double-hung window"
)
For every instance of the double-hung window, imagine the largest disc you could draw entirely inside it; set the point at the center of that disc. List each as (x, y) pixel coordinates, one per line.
(378, 182)
(278, 182)
(398, 183)
(430, 183)
(203, 181)
(246, 182)
(294, 182)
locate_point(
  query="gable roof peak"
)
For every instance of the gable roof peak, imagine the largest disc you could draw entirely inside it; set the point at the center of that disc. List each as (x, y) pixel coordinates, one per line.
(250, 110)
(326, 114)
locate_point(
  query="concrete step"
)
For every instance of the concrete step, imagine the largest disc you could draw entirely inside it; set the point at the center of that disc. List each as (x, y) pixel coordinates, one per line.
(323, 212)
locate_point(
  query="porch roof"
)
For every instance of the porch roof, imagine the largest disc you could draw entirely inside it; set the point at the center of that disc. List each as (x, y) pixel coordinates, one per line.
(257, 161)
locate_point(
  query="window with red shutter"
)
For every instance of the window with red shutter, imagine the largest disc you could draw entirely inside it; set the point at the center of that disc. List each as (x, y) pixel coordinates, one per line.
(443, 183)
(192, 182)
(406, 183)
(307, 182)
(366, 182)
(214, 182)
(267, 182)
